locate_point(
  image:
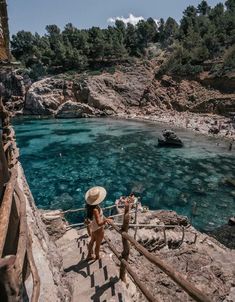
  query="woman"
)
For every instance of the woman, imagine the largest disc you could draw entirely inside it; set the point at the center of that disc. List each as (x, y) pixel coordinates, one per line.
(94, 197)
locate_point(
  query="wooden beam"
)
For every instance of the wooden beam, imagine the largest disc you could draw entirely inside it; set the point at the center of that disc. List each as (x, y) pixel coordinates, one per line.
(134, 276)
(169, 270)
(135, 221)
(5, 209)
(4, 172)
(125, 243)
(193, 292)
(21, 250)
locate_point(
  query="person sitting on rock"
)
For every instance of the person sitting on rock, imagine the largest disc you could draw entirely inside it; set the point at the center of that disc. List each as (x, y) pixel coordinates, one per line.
(94, 197)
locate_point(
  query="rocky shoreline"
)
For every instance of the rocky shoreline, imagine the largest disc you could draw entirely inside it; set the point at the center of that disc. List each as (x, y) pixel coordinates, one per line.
(200, 123)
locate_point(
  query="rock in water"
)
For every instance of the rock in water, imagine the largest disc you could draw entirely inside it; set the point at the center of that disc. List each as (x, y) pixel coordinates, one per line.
(169, 139)
(231, 221)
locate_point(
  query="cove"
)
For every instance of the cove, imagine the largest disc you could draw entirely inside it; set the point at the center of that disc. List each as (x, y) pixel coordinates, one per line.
(64, 158)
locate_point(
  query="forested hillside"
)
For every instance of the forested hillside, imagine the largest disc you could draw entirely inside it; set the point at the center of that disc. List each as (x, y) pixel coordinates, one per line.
(204, 33)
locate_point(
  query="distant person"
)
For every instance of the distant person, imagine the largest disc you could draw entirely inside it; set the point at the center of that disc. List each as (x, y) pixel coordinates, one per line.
(230, 146)
(94, 197)
(132, 198)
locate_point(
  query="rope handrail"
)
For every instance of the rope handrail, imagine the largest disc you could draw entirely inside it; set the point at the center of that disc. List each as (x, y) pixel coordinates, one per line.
(76, 210)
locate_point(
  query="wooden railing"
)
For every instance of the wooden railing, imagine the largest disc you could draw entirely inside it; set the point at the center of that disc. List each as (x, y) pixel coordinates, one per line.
(178, 278)
(14, 234)
(128, 241)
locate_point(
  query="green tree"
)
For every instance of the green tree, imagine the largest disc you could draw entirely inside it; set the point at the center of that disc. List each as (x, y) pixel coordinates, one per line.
(131, 40)
(170, 30)
(22, 45)
(97, 43)
(203, 8)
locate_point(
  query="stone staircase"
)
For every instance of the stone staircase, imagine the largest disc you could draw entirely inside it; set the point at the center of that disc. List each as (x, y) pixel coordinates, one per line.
(90, 281)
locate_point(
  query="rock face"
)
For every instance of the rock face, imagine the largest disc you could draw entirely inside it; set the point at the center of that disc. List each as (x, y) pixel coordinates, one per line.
(131, 89)
(182, 95)
(225, 83)
(45, 96)
(73, 109)
(13, 87)
(105, 94)
(201, 259)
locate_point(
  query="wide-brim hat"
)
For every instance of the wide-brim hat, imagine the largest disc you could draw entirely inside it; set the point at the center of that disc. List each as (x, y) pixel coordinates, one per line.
(95, 195)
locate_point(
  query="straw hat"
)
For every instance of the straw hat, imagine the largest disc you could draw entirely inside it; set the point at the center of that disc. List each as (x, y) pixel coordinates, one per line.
(95, 195)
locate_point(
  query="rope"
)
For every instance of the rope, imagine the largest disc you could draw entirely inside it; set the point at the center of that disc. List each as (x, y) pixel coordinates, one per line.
(74, 211)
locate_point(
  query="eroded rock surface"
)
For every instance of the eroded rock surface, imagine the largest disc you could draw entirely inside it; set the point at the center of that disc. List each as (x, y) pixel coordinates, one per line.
(201, 259)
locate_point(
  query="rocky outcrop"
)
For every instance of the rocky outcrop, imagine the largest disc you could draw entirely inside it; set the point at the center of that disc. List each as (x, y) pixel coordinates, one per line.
(71, 109)
(132, 88)
(225, 83)
(44, 97)
(188, 95)
(13, 87)
(106, 93)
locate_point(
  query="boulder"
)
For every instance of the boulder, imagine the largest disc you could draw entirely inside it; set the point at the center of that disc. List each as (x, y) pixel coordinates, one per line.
(71, 110)
(44, 97)
(231, 221)
(169, 139)
(214, 130)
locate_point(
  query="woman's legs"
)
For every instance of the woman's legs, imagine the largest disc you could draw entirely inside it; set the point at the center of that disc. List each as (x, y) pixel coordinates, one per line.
(90, 246)
(99, 235)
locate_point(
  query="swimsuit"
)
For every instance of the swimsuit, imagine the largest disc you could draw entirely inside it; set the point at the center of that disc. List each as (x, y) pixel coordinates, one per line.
(93, 225)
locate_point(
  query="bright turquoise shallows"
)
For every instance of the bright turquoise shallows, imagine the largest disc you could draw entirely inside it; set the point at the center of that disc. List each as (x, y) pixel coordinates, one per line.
(64, 158)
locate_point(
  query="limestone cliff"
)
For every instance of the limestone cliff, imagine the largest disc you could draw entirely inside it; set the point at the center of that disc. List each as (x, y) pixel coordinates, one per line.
(132, 88)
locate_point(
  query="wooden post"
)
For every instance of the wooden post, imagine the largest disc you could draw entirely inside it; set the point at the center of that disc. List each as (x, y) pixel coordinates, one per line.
(164, 233)
(139, 283)
(126, 245)
(4, 173)
(135, 222)
(183, 234)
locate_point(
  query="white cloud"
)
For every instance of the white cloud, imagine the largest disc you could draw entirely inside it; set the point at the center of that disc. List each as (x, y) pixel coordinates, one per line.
(131, 19)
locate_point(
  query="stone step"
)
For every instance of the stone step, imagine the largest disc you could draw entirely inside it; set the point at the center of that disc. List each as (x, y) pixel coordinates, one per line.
(97, 282)
(93, 280)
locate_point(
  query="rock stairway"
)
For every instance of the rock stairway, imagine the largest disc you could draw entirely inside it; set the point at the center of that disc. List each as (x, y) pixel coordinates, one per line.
(90, 281)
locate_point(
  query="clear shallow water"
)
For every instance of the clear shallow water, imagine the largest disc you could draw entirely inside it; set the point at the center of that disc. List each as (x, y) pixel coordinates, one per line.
(63, 158)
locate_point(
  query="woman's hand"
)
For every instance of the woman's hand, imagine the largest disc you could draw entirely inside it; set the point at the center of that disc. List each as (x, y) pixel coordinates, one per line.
(108, 220)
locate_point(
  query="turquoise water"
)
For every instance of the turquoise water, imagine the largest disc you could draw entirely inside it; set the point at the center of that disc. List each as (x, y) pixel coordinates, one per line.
(64, 158)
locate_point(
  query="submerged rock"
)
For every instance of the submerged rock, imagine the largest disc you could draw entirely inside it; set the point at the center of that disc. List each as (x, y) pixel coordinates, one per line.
(169, 139)
(231, 221)
(229, 181)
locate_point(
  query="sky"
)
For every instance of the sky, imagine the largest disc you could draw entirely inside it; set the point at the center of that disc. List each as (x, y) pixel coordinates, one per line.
(34, 15)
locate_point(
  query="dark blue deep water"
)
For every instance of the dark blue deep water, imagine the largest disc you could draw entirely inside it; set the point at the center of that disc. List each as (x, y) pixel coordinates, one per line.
(64, 158)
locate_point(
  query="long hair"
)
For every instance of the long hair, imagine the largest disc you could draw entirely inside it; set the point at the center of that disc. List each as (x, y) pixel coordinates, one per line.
(89, 210)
